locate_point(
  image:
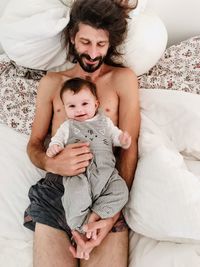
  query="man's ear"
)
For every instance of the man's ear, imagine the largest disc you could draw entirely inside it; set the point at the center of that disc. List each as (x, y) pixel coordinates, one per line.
(72, 39)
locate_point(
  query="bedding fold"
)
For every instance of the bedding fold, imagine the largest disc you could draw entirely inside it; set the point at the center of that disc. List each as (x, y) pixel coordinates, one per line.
(164, 201)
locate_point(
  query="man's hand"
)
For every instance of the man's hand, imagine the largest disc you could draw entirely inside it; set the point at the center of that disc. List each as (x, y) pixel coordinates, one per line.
(72, 160)
(92, 218)
(84, 245)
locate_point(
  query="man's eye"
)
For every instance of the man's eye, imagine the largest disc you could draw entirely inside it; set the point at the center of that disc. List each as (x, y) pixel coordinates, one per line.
(84, 42)
(101, 44)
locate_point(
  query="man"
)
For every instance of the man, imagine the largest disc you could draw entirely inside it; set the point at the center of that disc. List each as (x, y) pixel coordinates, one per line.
(94, 32)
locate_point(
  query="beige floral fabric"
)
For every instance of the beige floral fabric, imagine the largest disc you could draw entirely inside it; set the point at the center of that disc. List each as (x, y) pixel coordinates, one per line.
(178, 69)
(18, 89)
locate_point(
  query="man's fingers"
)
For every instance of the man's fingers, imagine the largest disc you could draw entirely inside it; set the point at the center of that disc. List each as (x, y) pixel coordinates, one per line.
(94, 235)
(79, 150)
(86, 256)
(73, 251)
(82, 245)
(78, 145)
(89, 235)
(79, 254)
(83, 158)
(78, 239)
(93, 226)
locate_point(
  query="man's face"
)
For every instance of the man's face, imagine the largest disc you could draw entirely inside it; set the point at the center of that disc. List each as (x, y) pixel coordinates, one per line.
(91, 46)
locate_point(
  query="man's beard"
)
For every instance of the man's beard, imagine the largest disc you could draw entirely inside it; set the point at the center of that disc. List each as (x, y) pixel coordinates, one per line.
(88, 67)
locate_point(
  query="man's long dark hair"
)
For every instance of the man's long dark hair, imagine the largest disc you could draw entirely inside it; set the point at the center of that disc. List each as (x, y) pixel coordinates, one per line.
(109, 15)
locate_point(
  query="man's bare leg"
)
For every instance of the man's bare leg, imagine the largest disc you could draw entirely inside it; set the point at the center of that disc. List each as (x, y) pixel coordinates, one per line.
(51, 248)
(113, 252)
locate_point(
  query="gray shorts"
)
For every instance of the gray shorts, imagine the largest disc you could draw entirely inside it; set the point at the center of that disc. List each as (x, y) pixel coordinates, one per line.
(46, 206)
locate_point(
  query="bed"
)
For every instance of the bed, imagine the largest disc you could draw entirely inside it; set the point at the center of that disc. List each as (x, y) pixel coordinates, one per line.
(163, 211)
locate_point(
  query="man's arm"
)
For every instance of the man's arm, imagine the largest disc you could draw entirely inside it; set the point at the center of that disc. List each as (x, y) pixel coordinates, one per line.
(74, 158)
(129, 120)
(41, 123)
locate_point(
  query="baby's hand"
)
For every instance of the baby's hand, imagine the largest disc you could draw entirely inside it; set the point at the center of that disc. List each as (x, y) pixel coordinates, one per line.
(125, 140)
(53, 150)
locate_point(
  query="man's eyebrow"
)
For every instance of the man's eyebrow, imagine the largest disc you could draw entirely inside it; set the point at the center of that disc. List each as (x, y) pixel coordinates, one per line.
(103, 41)
(85, 39)
(100, 41)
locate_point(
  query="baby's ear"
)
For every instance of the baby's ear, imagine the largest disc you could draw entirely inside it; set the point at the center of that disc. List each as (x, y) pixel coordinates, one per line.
(97, 103)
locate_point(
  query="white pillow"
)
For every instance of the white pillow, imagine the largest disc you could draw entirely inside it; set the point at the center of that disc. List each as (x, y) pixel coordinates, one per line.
(165, 197)
(30, 32)
(3, 4)
(146, 41)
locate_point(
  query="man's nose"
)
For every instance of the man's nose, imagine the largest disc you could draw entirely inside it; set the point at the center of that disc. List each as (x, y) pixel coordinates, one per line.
(93, 52)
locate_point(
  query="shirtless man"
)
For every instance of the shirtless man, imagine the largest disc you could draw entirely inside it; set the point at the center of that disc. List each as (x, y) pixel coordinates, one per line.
(94, 31)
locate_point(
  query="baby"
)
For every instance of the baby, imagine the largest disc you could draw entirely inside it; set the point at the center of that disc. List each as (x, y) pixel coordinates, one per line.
(100, 190)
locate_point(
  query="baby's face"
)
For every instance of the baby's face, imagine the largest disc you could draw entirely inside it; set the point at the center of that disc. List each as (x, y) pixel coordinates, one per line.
(80, 106)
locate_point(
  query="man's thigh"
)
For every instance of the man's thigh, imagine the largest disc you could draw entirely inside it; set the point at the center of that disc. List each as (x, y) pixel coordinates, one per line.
(113, 252)
(51, 248)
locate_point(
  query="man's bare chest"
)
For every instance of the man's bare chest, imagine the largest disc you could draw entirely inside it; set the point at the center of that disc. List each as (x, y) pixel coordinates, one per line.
(108, 101)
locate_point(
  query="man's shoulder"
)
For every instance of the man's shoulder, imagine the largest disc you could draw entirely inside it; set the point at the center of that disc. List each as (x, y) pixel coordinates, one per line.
(53, 80)
(117, 72)
(122, 76)
(123, 71)
(56, 76)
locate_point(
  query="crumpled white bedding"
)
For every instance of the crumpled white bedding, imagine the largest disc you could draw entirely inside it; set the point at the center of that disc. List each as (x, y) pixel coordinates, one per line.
(165, 198)
(15, 253)
(17, 174)
(147, 252)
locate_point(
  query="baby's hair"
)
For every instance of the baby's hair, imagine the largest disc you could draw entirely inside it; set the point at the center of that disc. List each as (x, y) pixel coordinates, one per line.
(76, 84)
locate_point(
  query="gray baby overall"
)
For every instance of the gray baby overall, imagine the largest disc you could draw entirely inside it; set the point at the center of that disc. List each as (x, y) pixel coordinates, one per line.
(100, 189)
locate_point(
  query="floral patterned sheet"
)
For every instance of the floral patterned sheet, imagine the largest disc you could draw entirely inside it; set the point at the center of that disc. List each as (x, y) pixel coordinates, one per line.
(178, 68)
(18, 90)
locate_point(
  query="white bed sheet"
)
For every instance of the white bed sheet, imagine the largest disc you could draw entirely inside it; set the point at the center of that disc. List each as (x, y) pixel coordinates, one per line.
(147, 252)
(17, 174)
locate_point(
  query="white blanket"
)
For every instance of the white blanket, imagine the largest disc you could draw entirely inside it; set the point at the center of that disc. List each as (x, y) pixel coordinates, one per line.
(17, 174)
(165, 198)
(147, 252)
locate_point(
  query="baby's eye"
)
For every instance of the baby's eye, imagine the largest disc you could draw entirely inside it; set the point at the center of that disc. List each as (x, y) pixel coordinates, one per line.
(71, 106)
(85, 103)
